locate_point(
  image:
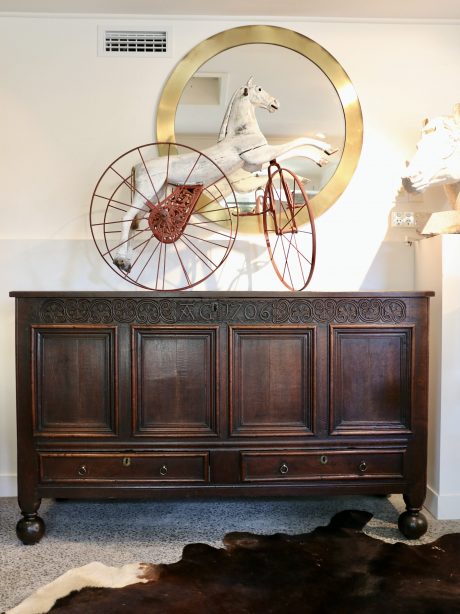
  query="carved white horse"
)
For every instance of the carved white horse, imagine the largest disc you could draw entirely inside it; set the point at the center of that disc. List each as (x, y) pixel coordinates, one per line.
(241, 145)
(437, 159)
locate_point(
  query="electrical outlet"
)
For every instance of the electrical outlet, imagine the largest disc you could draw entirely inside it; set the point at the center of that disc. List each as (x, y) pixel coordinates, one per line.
(405, 219)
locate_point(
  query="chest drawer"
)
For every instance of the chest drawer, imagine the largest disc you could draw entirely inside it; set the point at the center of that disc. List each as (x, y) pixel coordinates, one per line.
(321, 465)
(139, 467)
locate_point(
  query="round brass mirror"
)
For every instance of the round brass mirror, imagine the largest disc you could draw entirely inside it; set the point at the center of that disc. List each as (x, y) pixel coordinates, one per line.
(317, 85)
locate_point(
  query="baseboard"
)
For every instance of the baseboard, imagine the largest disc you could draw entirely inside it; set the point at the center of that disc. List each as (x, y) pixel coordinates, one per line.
(443, 507)
(8, 486)
(431, 501)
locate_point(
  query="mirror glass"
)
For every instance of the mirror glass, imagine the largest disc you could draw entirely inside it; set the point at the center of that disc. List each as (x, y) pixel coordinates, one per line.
(309, 104)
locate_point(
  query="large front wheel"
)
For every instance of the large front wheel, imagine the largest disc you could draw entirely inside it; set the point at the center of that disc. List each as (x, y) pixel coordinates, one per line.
(289, 229)
(161, 234)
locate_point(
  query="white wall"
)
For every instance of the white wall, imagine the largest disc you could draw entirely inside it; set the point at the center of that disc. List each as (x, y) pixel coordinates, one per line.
(67, 113)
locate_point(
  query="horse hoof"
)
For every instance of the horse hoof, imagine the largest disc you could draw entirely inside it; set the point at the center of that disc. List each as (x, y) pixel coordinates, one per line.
(123, 264)
(322, 162)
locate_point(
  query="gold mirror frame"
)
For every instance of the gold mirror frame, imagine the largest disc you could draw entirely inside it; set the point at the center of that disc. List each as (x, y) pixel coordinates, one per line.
(273, 35)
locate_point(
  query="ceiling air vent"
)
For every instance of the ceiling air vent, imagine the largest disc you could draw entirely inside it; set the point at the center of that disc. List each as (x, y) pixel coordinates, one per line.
(147, 43)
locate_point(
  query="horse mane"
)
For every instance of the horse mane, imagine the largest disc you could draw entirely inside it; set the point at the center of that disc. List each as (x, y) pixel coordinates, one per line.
(224, 126)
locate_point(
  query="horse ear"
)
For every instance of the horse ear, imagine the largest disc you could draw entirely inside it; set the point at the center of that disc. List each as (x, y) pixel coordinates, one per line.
(424, 122)
(247, 86)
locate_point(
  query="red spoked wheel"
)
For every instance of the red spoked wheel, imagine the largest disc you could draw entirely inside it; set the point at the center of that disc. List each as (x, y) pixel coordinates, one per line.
(160, 216)
(289, 228)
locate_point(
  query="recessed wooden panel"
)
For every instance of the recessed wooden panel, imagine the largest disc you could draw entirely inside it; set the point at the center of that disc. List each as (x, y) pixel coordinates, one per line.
(74, 380)
(371, 379)
(272, 381)
(174, 381)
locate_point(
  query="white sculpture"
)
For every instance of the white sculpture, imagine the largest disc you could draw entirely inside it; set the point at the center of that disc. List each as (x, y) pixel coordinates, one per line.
(437, 162)
(241, 146)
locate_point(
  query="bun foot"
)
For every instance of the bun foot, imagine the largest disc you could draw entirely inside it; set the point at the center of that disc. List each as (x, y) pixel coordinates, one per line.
(30, 529)
(412, 524)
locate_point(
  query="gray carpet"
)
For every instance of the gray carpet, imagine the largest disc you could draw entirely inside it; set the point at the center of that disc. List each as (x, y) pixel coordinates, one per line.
(117, 532)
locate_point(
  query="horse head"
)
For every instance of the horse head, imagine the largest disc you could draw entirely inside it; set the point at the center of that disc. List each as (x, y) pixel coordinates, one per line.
(258, 97)
(437, 159)
(243, 102)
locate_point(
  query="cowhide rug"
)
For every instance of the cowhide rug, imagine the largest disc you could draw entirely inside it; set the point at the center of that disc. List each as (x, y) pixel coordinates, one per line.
(332, 569)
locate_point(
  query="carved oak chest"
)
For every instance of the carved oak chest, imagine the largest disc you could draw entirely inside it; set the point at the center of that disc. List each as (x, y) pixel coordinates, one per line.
(143, 394)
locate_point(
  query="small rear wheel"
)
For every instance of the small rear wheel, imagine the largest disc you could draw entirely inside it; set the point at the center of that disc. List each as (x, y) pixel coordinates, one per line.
(289, 228)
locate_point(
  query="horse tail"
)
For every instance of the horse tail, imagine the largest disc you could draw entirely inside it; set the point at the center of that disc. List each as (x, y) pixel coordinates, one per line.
(224, 126)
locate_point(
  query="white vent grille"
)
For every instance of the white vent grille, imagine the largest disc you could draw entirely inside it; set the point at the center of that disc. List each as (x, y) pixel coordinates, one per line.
(134, 42)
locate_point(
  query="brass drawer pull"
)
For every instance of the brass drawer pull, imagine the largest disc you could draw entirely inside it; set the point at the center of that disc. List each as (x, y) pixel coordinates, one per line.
(362, 466)
(284, 469)
(163, 470)
(323, 459)
(126, 461)
(83, 470)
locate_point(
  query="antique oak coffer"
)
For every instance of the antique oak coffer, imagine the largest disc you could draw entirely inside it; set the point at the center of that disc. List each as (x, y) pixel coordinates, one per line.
(144, 394)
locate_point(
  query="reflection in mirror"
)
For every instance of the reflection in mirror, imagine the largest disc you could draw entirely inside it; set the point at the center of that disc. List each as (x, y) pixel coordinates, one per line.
(309, 104)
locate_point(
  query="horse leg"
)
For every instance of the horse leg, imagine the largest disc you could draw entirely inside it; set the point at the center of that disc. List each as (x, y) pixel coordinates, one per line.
(318, 156)
(255, 159)
(313, 149)
(321, 145)
(130, 223)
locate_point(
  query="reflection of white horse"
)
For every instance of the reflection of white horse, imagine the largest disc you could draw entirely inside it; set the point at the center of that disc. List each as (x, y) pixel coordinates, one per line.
(437, 160)
(241, 145)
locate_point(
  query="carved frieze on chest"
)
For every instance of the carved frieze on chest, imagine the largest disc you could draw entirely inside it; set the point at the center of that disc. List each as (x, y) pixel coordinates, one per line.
(190, 310)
